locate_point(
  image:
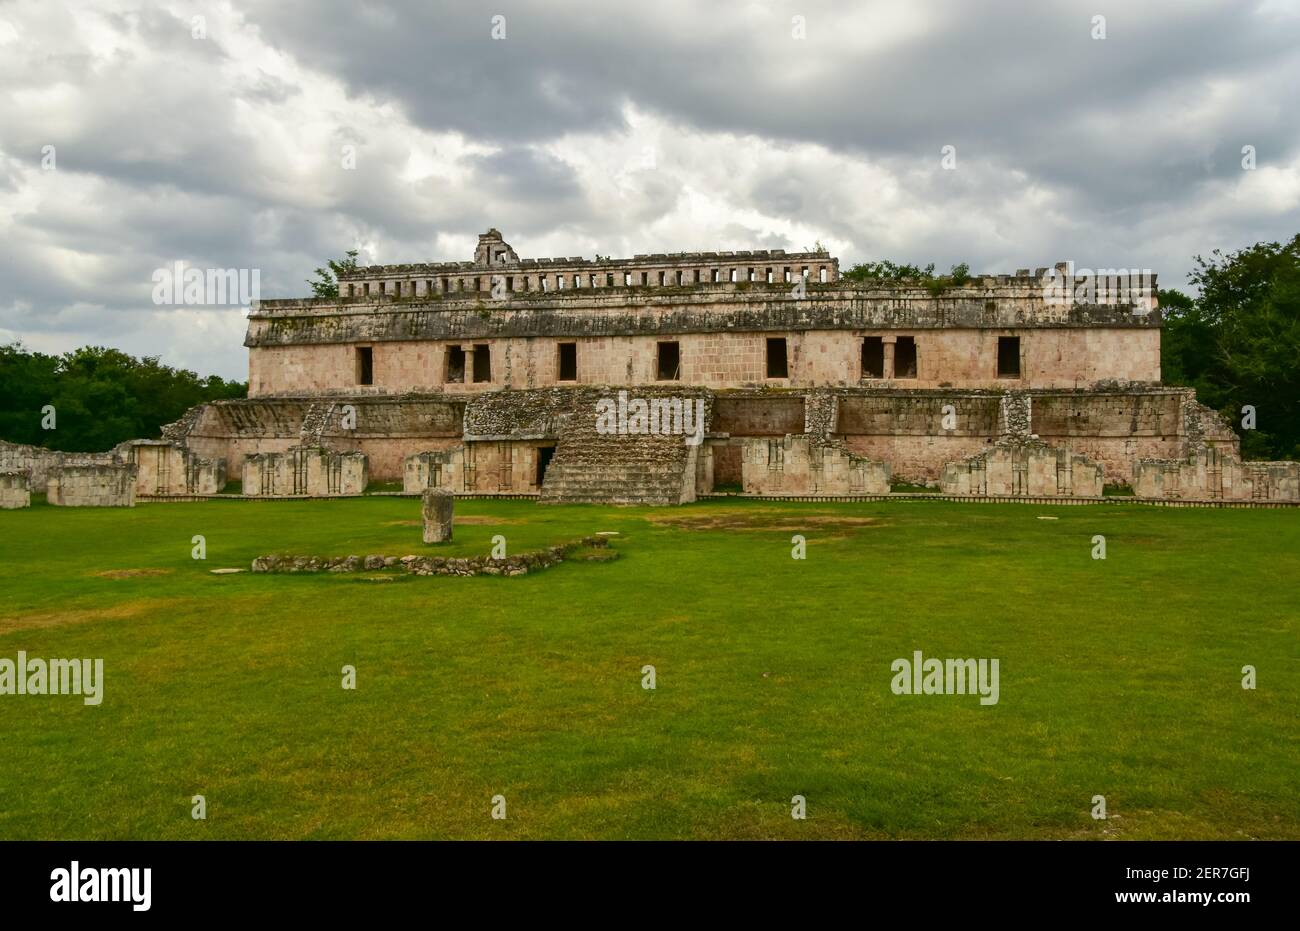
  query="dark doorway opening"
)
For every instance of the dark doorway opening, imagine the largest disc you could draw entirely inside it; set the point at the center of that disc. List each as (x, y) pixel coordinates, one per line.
(568, 362)
(365, 365)
(455, 364)
(1008, 357)
(544, 456)
(670, 365)
(777, 366)
(482, 363)
(905, 357)
(873, 357)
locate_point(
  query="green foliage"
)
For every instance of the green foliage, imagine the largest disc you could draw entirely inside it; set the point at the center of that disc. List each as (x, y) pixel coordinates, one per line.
(100, 396)
(326, 283)
(1238, 343)
(886, 270)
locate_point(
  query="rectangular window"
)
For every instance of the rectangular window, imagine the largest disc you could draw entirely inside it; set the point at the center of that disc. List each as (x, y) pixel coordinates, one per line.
(568, 362)
(670, 362)
(776, 359)
(662, 279)
(455, 365)
(714, 279)
(365, 365)
(1008, 357)
(873, 357)
(482, 363)
(905, 357)
(627, 279)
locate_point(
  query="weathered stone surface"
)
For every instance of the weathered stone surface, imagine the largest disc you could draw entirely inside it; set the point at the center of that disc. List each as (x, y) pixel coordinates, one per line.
(797, 465)
(167, 468)
(480, 378)
(436, 514)
(1210, 474)
(518, 564)
(15, 491)
(1020, 466)
(312, 471)
(109, 485)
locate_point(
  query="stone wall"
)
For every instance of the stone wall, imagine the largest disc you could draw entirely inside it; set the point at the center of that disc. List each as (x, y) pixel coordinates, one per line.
(408, 329)
(1216, 474)
(386, 429)
(311, 471)
(1054, 358)
(622, 458)
(494, 258)
(793, 465)
(38, 461)
(104, 485)
(1023, 467)
(15, 490)
(442, 468)
(164, 468)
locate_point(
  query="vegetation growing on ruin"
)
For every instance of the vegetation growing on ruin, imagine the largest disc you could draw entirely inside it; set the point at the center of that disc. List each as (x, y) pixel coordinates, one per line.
(888, 271)
(100, 396)
(326, 283)
(1238, 343)
(1119, 677)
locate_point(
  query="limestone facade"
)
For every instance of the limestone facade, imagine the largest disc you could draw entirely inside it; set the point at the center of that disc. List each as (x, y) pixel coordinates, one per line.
(305, 470)
(102, 485)
(15, 490)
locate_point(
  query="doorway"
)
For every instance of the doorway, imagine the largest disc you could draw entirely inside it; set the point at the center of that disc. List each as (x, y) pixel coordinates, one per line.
(544, 456)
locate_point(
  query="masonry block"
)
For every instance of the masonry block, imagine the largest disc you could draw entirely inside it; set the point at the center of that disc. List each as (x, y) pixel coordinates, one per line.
(436, 513)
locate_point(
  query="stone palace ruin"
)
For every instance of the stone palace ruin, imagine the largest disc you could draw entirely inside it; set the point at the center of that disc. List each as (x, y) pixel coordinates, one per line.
(659, 378)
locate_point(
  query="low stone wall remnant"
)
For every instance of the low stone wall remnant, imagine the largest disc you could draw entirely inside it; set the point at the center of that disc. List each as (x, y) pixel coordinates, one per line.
(519, 564)
(1023, 466)
(15, 490)
(306, 470)
(89, 486)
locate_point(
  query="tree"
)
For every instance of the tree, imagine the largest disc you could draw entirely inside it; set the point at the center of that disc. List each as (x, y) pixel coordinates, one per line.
(1238, 343)
(327, 283)
(100, 396)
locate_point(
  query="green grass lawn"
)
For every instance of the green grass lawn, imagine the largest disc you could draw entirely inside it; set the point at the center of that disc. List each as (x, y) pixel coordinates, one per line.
(1119, 677)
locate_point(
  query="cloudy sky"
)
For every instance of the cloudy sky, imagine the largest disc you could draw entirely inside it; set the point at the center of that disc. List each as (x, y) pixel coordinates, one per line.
(618, 127)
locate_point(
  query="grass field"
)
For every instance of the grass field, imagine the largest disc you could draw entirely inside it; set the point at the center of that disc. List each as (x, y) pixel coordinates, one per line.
(1119, 677)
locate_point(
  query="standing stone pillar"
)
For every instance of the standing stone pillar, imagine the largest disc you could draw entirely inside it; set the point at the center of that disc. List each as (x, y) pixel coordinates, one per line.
(887, 343)
(436, 512)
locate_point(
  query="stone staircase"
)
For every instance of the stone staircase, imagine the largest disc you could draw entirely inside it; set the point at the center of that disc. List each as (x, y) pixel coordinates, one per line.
(589, 466)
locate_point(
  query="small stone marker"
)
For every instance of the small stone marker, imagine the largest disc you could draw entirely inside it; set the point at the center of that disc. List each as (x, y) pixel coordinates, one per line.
(437, 515)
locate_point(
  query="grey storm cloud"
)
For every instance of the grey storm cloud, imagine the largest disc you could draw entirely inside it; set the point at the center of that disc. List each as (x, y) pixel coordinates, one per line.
(228, 151)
